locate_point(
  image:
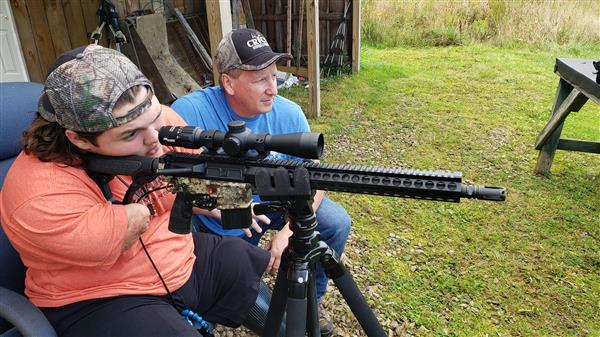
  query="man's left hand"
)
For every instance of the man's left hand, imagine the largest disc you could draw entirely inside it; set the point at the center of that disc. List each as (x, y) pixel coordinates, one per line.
(276, 247)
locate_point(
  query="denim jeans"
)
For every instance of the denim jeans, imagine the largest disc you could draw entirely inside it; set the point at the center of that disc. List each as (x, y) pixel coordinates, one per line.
(333, 224)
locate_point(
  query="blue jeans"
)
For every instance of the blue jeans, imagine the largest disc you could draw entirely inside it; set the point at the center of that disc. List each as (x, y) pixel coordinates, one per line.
(333, 223)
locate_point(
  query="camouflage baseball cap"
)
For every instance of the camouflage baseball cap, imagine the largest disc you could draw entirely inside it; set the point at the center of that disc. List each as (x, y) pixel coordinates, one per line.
(83, 86)
(245, 49)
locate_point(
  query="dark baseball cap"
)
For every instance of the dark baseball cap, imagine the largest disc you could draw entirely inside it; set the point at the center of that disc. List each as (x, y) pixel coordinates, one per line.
(245, 49)
(83, 86)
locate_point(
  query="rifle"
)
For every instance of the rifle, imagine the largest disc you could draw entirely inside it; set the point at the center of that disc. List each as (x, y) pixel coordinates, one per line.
(235, 165)
(228, 179)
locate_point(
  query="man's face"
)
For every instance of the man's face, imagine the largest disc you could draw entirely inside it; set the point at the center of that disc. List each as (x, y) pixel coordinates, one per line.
(136, 137)
(254, 91)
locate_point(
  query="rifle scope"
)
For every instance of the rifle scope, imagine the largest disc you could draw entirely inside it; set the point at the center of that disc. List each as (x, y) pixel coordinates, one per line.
(239, 139)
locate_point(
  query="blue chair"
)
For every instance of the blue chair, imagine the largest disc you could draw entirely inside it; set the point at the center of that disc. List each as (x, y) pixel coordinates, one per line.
(18, 317)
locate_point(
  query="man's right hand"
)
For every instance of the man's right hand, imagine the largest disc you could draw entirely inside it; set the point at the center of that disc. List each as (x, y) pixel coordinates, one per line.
(138, 221)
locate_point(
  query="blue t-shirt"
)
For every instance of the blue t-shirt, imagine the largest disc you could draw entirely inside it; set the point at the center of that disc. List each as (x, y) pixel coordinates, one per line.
(208, 109)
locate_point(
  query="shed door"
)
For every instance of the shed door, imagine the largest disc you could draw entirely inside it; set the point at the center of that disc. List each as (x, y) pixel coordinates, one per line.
(12, 65)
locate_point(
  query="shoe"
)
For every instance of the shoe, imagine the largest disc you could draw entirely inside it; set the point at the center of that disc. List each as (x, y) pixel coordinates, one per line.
(325, 323)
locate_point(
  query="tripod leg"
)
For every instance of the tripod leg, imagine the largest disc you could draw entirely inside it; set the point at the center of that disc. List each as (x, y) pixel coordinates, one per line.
(257, 317)
(312, 326)
(297, 279)
(277, 306)
(344, 281)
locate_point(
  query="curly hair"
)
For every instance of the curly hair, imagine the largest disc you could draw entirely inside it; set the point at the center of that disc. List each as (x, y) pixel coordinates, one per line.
(48, 142)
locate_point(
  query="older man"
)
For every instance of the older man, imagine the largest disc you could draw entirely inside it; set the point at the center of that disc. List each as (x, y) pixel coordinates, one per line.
(248, 92)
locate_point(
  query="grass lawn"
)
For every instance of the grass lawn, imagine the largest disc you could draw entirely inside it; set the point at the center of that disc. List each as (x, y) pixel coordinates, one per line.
(527, 267)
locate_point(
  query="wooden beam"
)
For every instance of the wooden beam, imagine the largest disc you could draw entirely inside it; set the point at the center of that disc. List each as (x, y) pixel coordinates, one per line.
(312, 44)
(235, 13)
(200, 50)
(299, 34)
(302, 71)
(148, 67)
(278, 29)
(288, 31)
(578, 145)
(356, 18)
(573, 102)
(219, 23)
(248, 14)
(548, 149)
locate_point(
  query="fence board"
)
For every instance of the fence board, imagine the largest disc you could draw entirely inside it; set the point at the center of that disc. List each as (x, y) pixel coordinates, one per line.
(89, 8)
(323, 26)
(57, 26)
(75, 23)
(279, 37)
(27, 39)
(39, 25)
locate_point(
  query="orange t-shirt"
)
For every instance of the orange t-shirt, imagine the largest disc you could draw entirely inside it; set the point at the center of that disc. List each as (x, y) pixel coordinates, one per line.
(70, 237)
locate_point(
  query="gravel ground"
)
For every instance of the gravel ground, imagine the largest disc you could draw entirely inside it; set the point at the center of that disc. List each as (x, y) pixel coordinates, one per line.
(344, 321)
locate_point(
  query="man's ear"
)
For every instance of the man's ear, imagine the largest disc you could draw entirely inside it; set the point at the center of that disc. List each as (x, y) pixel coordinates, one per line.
(227, 84)
(78, 141)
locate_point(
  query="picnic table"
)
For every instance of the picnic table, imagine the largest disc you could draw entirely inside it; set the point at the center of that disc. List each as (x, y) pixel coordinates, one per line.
(577, 85)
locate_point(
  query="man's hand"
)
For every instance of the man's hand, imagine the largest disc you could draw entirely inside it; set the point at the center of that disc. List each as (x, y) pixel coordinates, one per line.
(138, 221)
(276, 247)
(216, 213)
(263, 218)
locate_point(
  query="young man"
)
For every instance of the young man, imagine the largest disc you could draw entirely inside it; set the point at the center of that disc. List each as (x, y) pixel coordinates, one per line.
(101, 269)
(248, 92)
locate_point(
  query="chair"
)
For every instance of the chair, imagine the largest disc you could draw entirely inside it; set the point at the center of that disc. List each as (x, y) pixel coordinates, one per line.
(18, 317)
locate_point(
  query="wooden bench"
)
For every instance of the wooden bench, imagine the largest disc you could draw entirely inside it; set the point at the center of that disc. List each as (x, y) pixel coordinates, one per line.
(576, 86)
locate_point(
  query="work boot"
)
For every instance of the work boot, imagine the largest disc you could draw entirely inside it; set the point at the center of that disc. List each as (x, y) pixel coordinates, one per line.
(325, 323)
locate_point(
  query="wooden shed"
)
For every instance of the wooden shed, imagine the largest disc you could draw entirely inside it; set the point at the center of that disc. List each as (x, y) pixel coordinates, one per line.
(319, 34)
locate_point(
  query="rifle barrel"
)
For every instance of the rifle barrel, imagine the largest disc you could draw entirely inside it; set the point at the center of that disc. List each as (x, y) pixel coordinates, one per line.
(396, 182)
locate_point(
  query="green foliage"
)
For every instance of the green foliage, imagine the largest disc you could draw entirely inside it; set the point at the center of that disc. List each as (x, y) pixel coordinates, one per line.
(525, 267)
(536, 24)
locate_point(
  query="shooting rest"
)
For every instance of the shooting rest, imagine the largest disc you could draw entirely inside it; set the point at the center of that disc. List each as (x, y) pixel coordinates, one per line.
(295, 290)
(577, 84)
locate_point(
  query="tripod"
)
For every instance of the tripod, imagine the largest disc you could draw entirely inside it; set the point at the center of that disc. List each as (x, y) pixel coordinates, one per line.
(296, 275)
(107, 16)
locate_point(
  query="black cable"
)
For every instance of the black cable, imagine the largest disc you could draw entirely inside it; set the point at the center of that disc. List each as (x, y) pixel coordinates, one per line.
(159, 275)
(187, 313)
(162, 280)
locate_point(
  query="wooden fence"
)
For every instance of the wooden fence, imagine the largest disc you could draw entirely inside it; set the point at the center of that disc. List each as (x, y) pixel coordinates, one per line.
(48, 28)
(270, 17)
